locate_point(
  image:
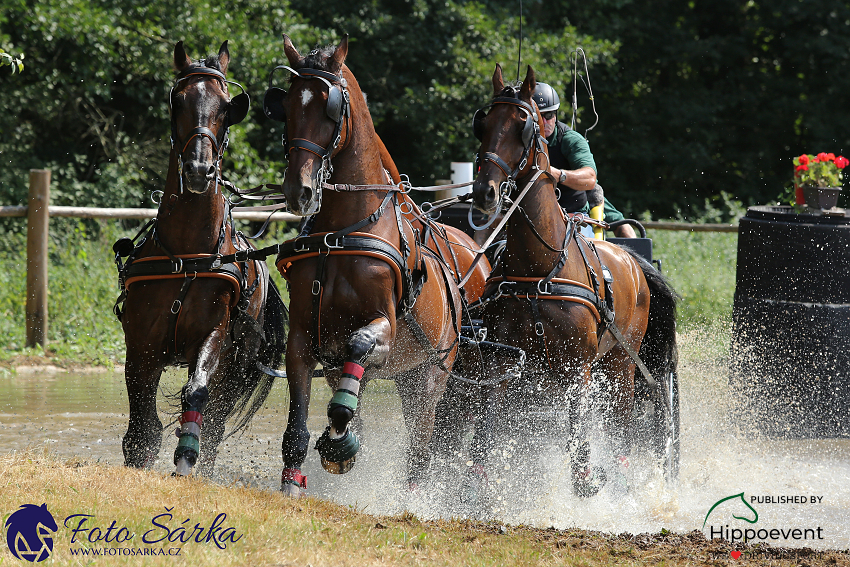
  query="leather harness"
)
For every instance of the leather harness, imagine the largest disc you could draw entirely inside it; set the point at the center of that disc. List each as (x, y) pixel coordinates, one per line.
(350, 242)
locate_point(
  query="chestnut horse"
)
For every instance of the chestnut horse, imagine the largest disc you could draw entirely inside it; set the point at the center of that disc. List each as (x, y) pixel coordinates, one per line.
(372, 283)
(571, 304)
(181, 305)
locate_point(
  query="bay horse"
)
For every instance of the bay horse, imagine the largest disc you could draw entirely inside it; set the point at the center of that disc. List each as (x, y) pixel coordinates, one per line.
(373, 284)
(181, 305)
(573, 305)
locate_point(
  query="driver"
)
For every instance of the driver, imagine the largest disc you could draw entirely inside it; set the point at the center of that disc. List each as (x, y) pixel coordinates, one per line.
(571, 162)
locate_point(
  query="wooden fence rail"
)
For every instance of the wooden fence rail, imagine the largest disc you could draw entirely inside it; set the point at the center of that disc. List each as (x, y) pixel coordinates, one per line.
(38, 214)
(239, 213)
(245, 213)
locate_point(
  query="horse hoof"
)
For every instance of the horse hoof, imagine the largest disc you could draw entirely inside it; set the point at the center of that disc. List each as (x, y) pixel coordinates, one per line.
(292, 491)
(338, 454)
(589, 482)
(474, 486)
(183, 467)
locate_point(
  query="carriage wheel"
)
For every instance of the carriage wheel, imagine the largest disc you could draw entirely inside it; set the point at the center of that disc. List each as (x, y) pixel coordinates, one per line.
(667, 425)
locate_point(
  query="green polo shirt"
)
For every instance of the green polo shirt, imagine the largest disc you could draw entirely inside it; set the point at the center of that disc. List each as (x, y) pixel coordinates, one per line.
(574, 148)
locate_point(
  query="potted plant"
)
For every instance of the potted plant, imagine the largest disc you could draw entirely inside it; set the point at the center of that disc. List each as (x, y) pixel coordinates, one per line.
(817, 179)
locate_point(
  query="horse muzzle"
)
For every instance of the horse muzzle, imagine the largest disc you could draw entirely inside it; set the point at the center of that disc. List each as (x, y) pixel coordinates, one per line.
(485, 196)
(303, 195)
(197, 176)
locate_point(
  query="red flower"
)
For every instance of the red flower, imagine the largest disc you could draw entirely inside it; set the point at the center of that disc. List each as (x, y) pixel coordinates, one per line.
(803, 159)
(823, 157)
(830, 156)
(841, 162)
(802, 167)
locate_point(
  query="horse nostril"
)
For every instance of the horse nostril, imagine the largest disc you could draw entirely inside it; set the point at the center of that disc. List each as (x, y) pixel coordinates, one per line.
(210, 172)
(491, 193)
(306, 193)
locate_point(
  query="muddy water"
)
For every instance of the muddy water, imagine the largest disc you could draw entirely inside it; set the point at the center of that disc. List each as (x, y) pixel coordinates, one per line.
(85, 416)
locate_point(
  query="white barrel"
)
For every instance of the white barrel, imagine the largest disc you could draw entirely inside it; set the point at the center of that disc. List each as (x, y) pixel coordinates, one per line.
(461, 173)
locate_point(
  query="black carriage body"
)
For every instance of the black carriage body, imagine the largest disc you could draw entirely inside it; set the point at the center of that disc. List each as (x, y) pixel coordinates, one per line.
(790, 351)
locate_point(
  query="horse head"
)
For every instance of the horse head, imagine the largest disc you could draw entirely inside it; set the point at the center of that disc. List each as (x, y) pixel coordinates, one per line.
(508, 128)
(314, 111)
(201, 113)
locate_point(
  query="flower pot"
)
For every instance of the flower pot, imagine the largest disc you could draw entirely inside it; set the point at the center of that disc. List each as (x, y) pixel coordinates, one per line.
(821, 197)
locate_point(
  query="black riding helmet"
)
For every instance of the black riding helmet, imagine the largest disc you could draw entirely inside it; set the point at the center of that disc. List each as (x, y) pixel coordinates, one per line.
(546, 98)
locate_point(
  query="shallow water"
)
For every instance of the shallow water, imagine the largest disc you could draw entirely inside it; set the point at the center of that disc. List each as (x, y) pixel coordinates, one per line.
(85, 416)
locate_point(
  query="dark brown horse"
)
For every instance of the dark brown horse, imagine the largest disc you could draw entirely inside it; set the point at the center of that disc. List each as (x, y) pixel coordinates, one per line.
(571, 304)
(181, 305)
(372, 284)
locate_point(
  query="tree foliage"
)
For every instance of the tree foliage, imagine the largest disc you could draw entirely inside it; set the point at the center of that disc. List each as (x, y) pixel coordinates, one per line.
(694, 98)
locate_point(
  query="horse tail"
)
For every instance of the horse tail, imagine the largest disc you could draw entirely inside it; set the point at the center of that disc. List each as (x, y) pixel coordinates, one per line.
(257, 383)
(658, 349)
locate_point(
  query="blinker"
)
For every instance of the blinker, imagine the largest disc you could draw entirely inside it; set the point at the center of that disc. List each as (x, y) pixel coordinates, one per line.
(273, 104)
(238, 107)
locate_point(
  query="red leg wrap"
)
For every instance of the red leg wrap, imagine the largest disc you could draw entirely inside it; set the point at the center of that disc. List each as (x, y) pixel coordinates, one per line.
(353, 369)
(192, 416)
(294, 476)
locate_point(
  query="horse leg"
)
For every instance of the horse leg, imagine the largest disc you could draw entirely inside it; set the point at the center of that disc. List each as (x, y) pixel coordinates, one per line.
(299, 371)
(143, 439)
(338, 445)
(194, 397)
(587, 480)
(617, 413)
(219, 406)
(486, 409)
(420, 391)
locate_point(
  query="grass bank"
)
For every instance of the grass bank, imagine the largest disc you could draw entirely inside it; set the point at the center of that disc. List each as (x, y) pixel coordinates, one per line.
(83, 288)
(266, 528)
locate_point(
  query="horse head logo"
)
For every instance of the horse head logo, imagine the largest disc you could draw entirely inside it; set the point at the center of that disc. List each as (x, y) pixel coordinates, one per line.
(734, 496)
(29, 532)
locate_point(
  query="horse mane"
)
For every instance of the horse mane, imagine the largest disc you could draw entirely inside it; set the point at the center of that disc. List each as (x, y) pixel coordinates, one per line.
(318, 59)
(211, 62)
(509, 91)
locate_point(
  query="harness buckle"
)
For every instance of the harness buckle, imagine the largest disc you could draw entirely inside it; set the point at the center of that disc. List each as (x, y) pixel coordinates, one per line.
(241, 255)
(317, 287)
(177, 267)
(499, 289)
(216, 263)
(538, 328)
(305, 248)
(546, 290)
(329, 245)
(175, 307)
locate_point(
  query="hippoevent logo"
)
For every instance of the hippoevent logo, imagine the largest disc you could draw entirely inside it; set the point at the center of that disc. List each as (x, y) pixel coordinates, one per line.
(739, 508)
(29, 532)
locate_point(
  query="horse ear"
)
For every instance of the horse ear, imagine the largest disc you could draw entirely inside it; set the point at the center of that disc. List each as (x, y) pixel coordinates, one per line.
(528, 85)
(498, 81)
(291, 53)
(181, 60)
(338, 58)
(223, 57)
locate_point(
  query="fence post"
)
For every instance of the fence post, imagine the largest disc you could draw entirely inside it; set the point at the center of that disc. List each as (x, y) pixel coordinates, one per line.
(38, 219)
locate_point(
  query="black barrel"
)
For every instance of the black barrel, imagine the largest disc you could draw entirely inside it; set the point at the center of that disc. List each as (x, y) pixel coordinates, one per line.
(790, 351)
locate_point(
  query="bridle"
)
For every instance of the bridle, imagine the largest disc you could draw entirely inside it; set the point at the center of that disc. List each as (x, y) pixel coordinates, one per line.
(237, 109)
(338, 110)
(531, 137)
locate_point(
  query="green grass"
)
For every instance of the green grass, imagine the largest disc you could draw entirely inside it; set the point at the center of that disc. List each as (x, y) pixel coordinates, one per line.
(83, 286)
(701, 267)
